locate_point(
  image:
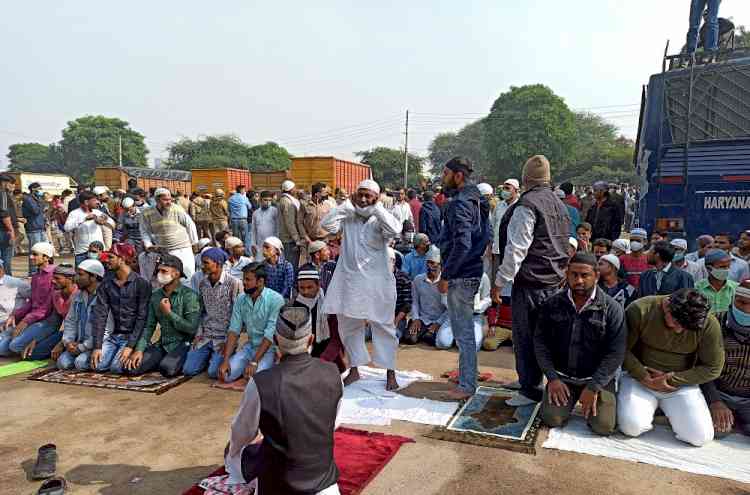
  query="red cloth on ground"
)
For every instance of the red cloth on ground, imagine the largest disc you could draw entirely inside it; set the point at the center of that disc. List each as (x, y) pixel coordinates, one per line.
(360, 456)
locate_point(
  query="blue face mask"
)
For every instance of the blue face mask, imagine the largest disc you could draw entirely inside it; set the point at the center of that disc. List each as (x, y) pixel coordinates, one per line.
(678, 257)
(742, 318)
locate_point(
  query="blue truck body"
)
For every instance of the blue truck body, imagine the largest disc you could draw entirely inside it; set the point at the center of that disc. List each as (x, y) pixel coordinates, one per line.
(693, 151)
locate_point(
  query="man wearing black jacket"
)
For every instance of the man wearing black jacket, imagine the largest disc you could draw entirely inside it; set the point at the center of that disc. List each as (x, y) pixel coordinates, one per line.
(605, 216)
(580, 343)
(665, 278)
(430, 217)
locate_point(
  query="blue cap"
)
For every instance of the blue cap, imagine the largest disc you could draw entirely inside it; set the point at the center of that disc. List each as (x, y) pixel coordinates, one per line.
(639, 232)
(714, 255)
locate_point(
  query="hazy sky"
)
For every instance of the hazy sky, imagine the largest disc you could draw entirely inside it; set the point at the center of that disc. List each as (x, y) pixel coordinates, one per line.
(329, 78)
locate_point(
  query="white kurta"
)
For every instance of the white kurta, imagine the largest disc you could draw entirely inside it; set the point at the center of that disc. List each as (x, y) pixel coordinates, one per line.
(265, 224)
(363, 286)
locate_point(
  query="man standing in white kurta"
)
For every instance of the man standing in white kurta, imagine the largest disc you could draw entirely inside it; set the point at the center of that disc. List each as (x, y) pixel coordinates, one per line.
(363, 288)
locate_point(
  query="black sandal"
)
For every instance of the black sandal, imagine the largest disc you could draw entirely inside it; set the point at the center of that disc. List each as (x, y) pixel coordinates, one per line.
(46, 462)
(53, 486)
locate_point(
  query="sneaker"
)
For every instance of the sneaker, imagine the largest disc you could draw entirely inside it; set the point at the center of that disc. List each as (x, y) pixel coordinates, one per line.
(519, 400)
(46, 462)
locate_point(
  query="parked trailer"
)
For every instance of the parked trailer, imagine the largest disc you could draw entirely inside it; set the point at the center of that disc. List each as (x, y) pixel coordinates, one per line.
(334, 172)
(51, 183)
(269, 181)
(117, 178)
(210, 179)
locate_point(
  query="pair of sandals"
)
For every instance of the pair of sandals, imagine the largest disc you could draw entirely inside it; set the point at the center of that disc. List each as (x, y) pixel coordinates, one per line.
(45, 468)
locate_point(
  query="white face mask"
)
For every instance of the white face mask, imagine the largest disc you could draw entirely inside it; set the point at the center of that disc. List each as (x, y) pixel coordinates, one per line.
(365, 212)
(163, 279)
(636, 246)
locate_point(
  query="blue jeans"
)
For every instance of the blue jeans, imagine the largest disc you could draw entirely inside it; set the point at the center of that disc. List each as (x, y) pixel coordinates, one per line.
(111, 350)
(461, 293)
(45, 333)
(33, 238)
(240, 231)
(204, 357)
(712, 32)
(7, 253)
(68, 361)
(240, 359)
(444, 337)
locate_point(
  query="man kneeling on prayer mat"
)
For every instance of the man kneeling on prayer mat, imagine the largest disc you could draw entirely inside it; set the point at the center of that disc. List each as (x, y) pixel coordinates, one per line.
(256, 312)
(579, 343)
(363, 288)
(310, 295)
(177, 310)
(282, 434)
(674, 345)
(728, 396)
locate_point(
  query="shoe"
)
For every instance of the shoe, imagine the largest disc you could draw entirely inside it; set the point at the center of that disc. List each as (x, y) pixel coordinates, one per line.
(519, 400)
(46, 462)
(516, 385)
(53, 486)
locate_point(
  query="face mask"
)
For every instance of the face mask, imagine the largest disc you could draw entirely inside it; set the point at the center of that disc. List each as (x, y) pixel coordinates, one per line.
(365, 212)
(163, 279)
(93, 256)
(742, 318)
(39, 194)
(636, 246)
(678, 257)
(505, 194)
(251, 292)
(719, 273)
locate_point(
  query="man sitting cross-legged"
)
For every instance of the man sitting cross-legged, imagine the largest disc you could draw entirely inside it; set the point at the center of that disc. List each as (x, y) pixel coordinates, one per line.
(282, 434)
(177, 310)
(580, 343)
(429, 309)
(74, 351)
(218, 291)
(256, 312)
(673, 346)
(310, 295)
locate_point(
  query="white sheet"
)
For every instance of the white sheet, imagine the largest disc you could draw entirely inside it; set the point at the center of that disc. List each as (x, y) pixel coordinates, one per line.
(726, 458)
(366, 402)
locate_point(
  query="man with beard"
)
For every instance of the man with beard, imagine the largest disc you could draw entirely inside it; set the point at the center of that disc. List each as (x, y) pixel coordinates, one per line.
(74, 351)
(430, 217)
(279, 272)
(363, 287)
(534, 245)
(610, 282)
(218, 291)
(177, 310)
(265, 223)
(86, 223)
(310, 295)
(605, 216)
(124, 295)
(255, 312)
(579, 342)
(169, 227)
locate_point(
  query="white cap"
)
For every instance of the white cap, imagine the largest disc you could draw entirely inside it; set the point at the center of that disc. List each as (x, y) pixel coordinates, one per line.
(275, 242)
(203, 242)
(622, 245)
(560, 193)
(100, 190)
(232, 242)
(287, 186)
(679, 244)
(92, 266)
(573, 242)
(370, 185)
(513, 182)
(485, 189)
(612, 260)
(433, 254)
(44, 248)
(127, 202)
(162, 191)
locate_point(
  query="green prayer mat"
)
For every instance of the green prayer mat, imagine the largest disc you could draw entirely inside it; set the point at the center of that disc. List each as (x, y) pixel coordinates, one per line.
(21, 367)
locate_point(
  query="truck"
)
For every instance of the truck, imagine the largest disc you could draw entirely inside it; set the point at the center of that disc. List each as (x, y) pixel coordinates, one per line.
(227, 179)
(269, 181)
(693, 148)
(334, 172)
(147, 178)
(51, 183)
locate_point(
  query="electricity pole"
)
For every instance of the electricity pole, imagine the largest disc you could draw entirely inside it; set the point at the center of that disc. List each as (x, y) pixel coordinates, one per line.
(406, 152)
(119, 138)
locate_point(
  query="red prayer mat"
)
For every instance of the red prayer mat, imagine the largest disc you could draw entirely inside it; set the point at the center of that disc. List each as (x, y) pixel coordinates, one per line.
(452, 376)
(360, 456)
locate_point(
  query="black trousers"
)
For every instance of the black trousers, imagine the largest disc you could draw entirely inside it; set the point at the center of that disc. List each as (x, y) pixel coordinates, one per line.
(156, 357)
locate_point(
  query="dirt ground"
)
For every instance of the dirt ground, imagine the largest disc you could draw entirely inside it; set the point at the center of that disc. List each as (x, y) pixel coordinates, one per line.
(114, 442)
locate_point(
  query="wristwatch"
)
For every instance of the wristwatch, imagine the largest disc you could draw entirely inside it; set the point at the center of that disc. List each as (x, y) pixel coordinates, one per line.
(254, 364)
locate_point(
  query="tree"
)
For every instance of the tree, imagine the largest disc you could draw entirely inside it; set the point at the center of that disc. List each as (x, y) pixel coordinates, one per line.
(388, 166)
(742, 37)
(226, 151)
(442, 148)
(526, 121)
(94, 140)
(466, 143)
(35, 157)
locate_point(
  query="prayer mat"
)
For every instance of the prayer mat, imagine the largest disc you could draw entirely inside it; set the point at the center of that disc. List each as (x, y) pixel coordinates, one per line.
(152, 382)
(359, 455)
(452, 376)
(237, 385)
(20, 367)
(486, 420)
(727, 458)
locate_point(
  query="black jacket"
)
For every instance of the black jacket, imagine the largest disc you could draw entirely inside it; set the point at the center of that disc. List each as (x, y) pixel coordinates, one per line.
(589, 344)
(430, 220)
(33, 211)
(606, 220)
(465, 234)
(128, 304)
(673, 280)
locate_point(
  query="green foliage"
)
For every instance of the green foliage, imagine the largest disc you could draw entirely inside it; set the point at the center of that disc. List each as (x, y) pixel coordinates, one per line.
(227, 151)
(35, 157)
(526, 121)
(742, 37)
(466, 143)
(388, 166)
(94, 140)
(602, 172)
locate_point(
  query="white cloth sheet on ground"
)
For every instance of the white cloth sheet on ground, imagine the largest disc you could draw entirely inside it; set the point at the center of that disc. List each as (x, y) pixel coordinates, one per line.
(366, 402)
(726, 458)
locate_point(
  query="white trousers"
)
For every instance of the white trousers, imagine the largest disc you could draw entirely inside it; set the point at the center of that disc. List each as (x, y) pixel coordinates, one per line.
(444, 338)
(686, 409)
(187, 256)
(384, 341)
